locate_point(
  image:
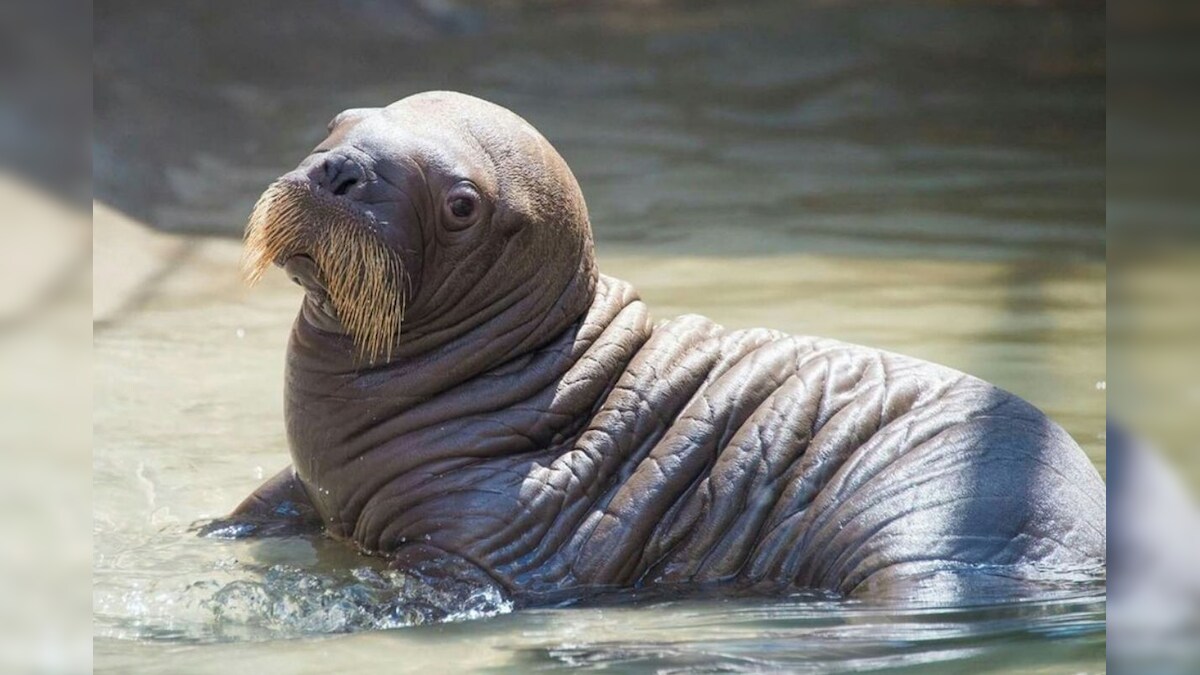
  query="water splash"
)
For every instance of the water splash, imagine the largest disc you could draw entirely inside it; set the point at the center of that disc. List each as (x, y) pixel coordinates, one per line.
(237, 603)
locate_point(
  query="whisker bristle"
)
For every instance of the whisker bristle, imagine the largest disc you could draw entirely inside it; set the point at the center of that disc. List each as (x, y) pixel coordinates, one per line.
(366, 281)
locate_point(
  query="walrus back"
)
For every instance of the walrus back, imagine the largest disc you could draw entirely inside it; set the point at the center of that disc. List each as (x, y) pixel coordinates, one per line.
(766, 459)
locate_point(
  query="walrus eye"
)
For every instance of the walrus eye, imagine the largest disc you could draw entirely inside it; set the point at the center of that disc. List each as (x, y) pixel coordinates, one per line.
(462, 202)
(462, 207)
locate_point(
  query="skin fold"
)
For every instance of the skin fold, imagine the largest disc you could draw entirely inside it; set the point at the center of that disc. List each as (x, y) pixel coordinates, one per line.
(532, 428)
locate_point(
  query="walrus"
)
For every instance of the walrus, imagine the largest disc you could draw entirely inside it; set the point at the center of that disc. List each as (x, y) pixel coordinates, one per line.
(468, 397)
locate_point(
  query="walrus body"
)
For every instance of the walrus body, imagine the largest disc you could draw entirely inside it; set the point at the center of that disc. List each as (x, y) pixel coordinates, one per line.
(531, 427)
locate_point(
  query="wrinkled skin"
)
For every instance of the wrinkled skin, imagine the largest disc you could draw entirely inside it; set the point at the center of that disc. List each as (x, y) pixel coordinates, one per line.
(534, 429)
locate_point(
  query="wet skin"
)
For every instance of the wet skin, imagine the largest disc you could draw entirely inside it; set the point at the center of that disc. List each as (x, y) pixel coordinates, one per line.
(535, 430)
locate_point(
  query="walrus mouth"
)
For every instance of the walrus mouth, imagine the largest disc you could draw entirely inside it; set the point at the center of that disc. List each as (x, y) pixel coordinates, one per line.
(332, 250)
(302, 270)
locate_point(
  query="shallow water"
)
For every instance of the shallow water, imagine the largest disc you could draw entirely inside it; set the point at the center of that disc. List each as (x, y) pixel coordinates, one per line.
(921, 178)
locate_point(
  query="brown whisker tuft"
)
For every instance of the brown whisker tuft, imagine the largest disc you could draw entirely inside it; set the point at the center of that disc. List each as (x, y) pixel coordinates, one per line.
(363, 276)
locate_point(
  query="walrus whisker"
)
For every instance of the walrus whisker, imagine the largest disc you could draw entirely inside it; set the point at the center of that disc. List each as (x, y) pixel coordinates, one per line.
(364, 279)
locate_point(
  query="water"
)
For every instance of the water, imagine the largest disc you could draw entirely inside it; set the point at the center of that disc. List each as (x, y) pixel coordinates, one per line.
(922, 178)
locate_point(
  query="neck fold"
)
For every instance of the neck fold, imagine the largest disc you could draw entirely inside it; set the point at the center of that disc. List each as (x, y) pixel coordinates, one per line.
(490, 394)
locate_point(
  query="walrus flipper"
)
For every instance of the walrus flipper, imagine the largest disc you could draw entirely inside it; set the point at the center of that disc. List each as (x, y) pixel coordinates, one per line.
(280, 507)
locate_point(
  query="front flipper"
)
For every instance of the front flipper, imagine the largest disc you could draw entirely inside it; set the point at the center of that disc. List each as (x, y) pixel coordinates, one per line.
(280, 507)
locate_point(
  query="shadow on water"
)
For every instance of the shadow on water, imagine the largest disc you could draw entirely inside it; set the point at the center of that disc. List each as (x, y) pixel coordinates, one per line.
(815, 636)
(970, 130)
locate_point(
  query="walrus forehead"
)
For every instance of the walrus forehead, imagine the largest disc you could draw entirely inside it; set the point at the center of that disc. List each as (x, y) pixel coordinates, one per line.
(417, 156)
(462, 112)
(348, 116)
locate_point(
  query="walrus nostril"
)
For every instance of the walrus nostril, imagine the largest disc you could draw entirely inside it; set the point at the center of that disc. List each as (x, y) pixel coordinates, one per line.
(344, 185)
(339, 174)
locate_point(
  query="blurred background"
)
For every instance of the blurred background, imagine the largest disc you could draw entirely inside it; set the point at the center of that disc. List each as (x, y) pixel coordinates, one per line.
(922, 176)
(45, 349)
(951, 130)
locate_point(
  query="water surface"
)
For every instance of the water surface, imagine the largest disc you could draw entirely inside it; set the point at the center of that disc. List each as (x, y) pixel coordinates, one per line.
(188, 420)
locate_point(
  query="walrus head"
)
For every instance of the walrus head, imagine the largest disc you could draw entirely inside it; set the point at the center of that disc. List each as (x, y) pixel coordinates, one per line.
(415, 224)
